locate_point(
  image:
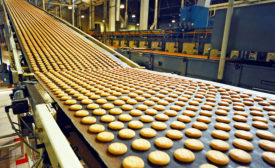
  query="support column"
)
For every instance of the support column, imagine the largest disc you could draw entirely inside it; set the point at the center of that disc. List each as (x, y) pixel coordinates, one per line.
(182, 3)
(155, 23)
(79, 17)
(105, 21)
(43, 4)
(144, 11)
(92, 17)
(226, 32)
(73, 12)
(117, 10)
(60, 11)
(112, 14)
(126, 14)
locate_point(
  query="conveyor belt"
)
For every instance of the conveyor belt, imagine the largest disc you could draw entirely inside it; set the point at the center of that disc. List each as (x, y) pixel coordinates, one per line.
(64, 62)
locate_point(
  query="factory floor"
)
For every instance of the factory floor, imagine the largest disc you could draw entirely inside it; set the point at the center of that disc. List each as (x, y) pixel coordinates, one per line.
(12, 157)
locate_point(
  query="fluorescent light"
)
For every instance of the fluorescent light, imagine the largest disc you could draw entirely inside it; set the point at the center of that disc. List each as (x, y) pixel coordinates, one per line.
(173, 21)
(122, 6)
(82, 16)
(103, 20)
(137, 24)
(133, 16)
(70, 7)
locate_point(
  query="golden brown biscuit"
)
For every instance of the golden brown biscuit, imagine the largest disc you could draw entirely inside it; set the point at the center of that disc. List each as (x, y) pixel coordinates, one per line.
(107, 118)
(265, 134)
(220, 134)
(159, 158)
(199, 125)
(269, 157)
(259, 124)
(223, 119)
(135, 124)
(189, 113)
(86, 101)
(240, 155)
(207, 165)
(127, 107)
(99, 112)
(161, 117)
(171, 113)
(184, 118)
(101, 101)
(241, 126)
(75, 107)
(131, 101)
(146, 118)
(141, 144)
(221, 112)
(267, 145)
(148, 132)
(159, 125)
(92, 106)
(194, 144)
(244, 134)
(176, 108)
(132, 162)
(115, 111)
(111, 98)
(220, 145)
(125, 117)
(243, 144)
(81, 113)
(193, 132)
(174, 134)
(119, 102)
(204, 119)
(217, 157)
(222, 126)
(88, 120)
(177, 125)
(105, 136)
(184, 155)
(116, 125)
(108, 106)
(159, 107)
(126, 133)
(96, 128)
(163, 142)
(239, 118)
(206, 113)
(117, 148)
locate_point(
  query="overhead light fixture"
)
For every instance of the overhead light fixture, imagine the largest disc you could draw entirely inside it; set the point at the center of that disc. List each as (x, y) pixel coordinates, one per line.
(133, 16)
(137, 24)
(173, 21)
(70, 7)
(82, 16)
(122, 6)
(103, 20)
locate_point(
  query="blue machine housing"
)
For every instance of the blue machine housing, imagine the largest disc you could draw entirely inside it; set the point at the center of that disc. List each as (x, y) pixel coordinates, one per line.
(195, 16)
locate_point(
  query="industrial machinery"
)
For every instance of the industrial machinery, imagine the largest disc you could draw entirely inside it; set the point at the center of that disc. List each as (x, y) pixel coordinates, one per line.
(74, 81)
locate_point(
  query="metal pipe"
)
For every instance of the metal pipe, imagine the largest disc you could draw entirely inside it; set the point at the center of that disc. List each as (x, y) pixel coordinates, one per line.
(105, 21)
(226, 32)
(79, 17)
(182, 3)
(144, 11)
(117, 10)
(112, 12)
(73, 11)
(126, 14)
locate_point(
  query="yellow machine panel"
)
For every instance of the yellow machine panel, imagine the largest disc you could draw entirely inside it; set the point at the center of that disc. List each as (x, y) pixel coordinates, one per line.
(132, 44)
(253, 56)
(189, 48)
(215, 53)
(270, 56)
(123, 43)
(234, 54)
(206, 48)
(108, 42)
(143, 44)
(115, 43)
(171, 47)
(156, 45)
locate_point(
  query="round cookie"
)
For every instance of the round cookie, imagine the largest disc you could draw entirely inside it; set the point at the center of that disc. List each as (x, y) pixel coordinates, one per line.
(101, 101)
(151, 112)
(116, 125)
(267, 145)
(269, 157)
(105, 136)
(125, 117)
(127, 107)
(171, 113)
(81, 113)
(159, 125)
(115, 111)
(220, 134)
(117, 148)
(204, 119)
(193, 132)
(107, 118)
(207, 165)
(111, 98)
(241, 126)
(92, 106)
(159, 158)
(244, 134)
(184, 155)
(88, 120)
(189, 113)
(220, 145)
(126, 133)
(70, 102)
(217, 157)
(174, 134)
(206, 113)
(223, 119)
(194, 144)
(99, 112)
(243, 144)
(177, 125)
(146, 118)
(199, 125)
(184, 118)
(136, 112)
(132, 162)
(119, 102)
(259, 124)
(86, 101)
(108, 106)
(135, 124)
(240, 155)
(75, 107)
(148, 132)
(161, 117)
(265, 134)
(222, 126)
(159, 107)
(141, 144)
(131, 101)
(142, 107)
(163, 142)
(96, 128)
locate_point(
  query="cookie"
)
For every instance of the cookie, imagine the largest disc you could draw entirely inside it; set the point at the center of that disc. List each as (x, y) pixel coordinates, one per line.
(199, 125)
(217, 157)
(194, 144)
(81, 113)
(193, 132)
(99, 112)
(75, 107)
(171, 113)
(101, 101)
(86, 101)
(222, 126)
(70, 102)
(111, 98)
(159, 158)
(220, 134)
(126, 133)
(239, 118)
(241, 126)
(269, 157)
(136, 112)
(115, 111)
(132, 162)
(244, 134)
(105, 136)
(108, 106)
(116, 125)
(161, 117)
(240, 155)
(131, 101)
(146, 118)
(149, 103)
(265, 134)
(92, 106)
(159, 107)
(159, 125)
(119, 102)
(127, 107)
(189, 113)
(174, 134)
(88, 120)
(204, 119)
(151, 112)
(135, 124)
(221, 112)
(177, 125)
(107, 118)
(243, 144)
(148, 132)
(267, 145)
(259, 124)
(184, 118)
(184, 155)
(117, 148)
(206, 113)
(163, 142)
(141, 144)
(96, 128)
(223, 119)
(207, 165)
(220, 145)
